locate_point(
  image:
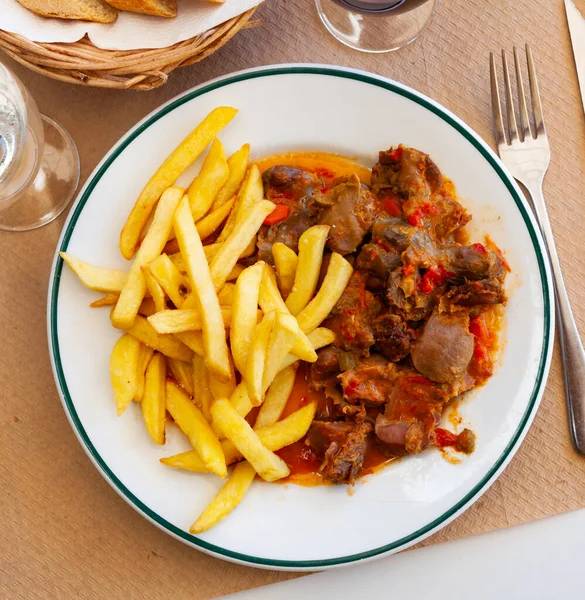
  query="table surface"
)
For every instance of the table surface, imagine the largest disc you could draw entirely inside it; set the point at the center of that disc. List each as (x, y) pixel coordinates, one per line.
(63, 531)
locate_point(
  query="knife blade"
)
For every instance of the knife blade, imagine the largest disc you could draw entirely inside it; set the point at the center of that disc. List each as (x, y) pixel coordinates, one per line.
(577, 30)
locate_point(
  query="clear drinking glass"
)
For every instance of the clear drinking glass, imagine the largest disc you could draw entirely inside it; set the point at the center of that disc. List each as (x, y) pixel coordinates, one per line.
(376, 25)
(39, 164)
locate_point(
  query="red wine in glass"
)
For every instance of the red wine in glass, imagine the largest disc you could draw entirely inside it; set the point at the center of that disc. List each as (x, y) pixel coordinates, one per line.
(357, 23)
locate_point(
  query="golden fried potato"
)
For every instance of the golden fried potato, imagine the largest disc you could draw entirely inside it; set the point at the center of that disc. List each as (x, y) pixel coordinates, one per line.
(231, 249)
(143, 359)
(267, 464)
(172, 281)
(108, 300)
(202, 394)
(166, 344)
(282, 338)
(270, 299)
(193, 340)
(276, 397)
(168, 173)
(188, 319)
(210, 224)
(285, 261)
(154, 400)
(226, 499)
(244, 313)
(311, 247)
(318, 338)
(213, 175)
(335, 282)
(124, 370)
(256, 360)
(133, 291)
(182, 373)
(237, 163)
(108, 281)
(194, 425)
(156, 292)
(214, 339)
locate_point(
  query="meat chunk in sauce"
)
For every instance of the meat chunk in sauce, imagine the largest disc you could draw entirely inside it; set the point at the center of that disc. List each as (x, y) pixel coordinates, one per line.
(352, 317)
(286, 232)
(413, 411)
(342, 445)
(444, 349)
(293, 187)
(393, 337)
(474, 262)
(350, 216)
(486, 292)
(369, 382)
(324, 370)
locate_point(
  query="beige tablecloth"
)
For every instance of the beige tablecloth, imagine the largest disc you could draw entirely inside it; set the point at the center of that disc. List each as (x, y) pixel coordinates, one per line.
(64, 532)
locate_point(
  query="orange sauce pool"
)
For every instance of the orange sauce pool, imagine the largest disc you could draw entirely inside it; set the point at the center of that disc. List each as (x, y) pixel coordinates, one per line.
(329, 166)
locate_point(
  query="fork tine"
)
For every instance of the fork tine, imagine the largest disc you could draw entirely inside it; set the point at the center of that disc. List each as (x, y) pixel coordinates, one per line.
(536, 104)
(524, 120)
(509, 100)
(496, 103)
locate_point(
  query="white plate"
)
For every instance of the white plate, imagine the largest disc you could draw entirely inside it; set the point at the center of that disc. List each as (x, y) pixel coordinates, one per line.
(302, 107)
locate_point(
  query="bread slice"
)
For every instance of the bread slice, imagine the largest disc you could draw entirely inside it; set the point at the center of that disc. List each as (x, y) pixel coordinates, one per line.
(158, 8)
(87, 10)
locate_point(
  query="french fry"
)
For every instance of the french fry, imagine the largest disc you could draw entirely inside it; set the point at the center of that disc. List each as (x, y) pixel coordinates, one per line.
(133, 291)
(191, 299)
(193, 340)
(235, 272)
(240, 399)
(250, 194)
(318, 338)
(282, 338)
(244, 309)
(124, 370)
(256, 359)
(154, 400)
(210, 251)
(276, 397)
(193, 424)
(210, 224)
(237, 163)
(167, 174)
(147, 307)
(182, 372)
(188, 319)
(155, 289)
(166, 344)
(311, 246)
(267, 464)
(201, 390)
(335, 282)
(143, 359)
(229, 253)
(214, 339)
(108, 281)
(273, 437)
(171, 280)
(226, 294)
(226, 499)
(212, 177)
(108, 300)
(285, 261)
(223, 389)
(270, 299)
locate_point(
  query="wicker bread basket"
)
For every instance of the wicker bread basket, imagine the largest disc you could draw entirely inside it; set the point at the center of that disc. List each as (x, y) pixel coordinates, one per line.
(84, 64)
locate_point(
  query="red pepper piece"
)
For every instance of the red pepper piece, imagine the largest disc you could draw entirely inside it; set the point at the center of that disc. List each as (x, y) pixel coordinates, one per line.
(407, 270)
(392, 207)
(445, 438)
(280, 213)
(433, 278)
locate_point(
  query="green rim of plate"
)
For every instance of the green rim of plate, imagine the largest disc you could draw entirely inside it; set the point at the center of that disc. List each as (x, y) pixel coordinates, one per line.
(58, 267)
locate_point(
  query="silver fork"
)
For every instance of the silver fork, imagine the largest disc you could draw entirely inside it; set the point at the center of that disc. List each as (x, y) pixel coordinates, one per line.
(526, 153)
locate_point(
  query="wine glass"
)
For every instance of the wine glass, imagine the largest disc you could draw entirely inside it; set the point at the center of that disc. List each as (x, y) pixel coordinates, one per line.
(39, 163)
(376, 25)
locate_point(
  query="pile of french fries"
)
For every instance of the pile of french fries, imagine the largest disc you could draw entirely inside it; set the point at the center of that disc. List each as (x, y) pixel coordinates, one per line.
(206, 339)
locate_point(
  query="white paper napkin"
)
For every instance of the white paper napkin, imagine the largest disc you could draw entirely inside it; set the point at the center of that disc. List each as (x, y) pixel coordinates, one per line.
(130, 30)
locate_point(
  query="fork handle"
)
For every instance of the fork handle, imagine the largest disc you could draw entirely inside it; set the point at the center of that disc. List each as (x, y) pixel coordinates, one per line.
(571, 347)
